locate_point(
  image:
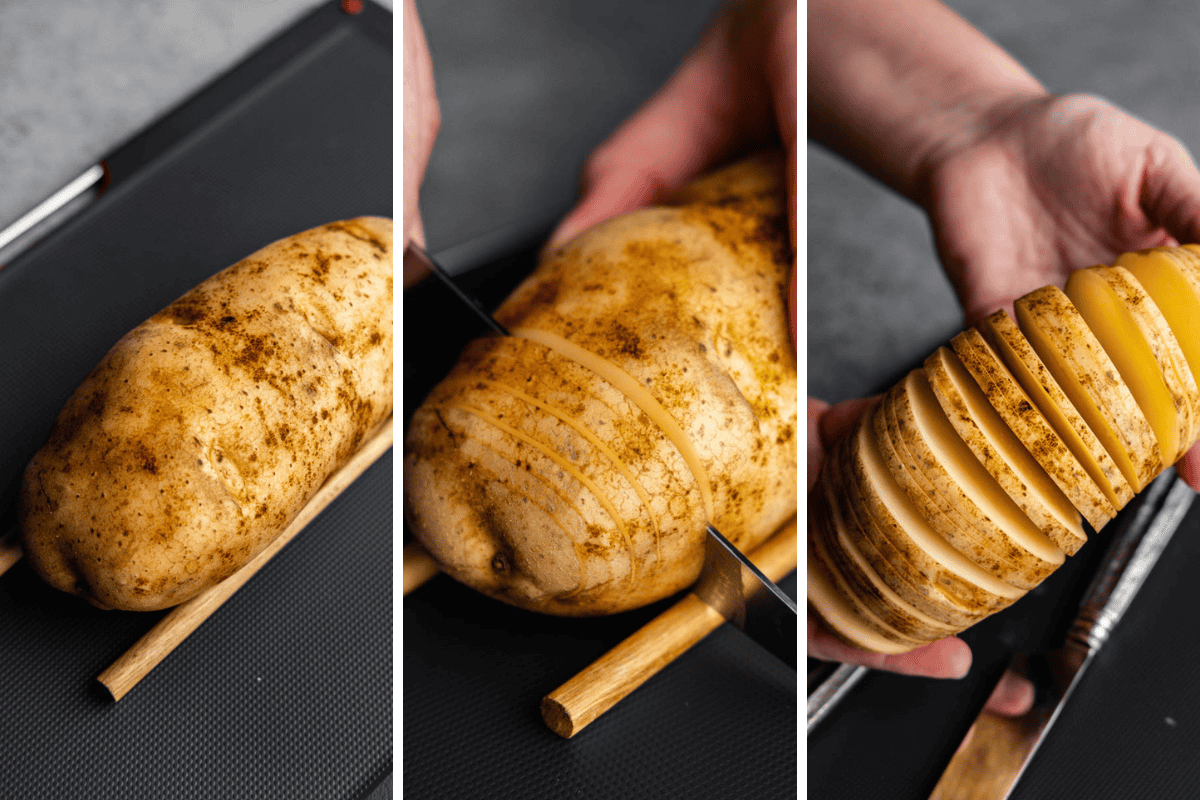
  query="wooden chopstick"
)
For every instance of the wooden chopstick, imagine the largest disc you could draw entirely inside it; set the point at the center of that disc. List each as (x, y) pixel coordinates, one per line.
(578, 702)
(172, 629)
(419, 566)
(10, 551)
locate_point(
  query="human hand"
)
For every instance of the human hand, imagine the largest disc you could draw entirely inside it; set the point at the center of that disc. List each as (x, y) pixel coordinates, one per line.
(422, 118)
(1050, 184)
(945, 658)
(737, 88)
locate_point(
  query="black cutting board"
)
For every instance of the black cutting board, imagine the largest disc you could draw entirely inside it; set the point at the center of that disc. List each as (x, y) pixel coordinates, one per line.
(286, 690)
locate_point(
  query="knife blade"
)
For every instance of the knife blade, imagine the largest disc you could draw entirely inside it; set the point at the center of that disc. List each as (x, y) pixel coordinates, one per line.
(729, 582)
(430, 264)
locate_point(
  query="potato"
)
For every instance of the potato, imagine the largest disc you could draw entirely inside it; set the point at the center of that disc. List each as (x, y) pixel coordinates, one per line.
(206, 429)
(649, 386)
(1068, 406)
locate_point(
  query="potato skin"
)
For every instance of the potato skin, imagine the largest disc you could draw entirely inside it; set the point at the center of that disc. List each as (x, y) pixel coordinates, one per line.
(206, 429)
(535, 481)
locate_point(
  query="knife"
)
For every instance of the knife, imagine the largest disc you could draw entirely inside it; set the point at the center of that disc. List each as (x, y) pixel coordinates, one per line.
(1128, 564)
(764, 612)
(421, 258)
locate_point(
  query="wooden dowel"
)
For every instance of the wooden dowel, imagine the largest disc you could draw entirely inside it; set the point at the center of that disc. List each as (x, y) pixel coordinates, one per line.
(578, 702)
(419, 566)
(10, 552)
(172, 629)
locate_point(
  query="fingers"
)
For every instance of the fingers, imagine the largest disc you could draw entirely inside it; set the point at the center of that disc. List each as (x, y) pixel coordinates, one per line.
(946, 658)
(422, 117)
(710, 106)
(1188, 467)
(1012, 697)
(1171, 189)
(839, 420)
(781, 78)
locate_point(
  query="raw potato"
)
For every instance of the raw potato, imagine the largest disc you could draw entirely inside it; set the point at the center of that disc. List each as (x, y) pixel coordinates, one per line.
(1136, 337)
(1078, 362)
(206, 429)
(1097, 499)
(912, 535)
(964, 486)
(902, 576)
(997, 537)
(649, 386)
(1017, 436)
(866, 583)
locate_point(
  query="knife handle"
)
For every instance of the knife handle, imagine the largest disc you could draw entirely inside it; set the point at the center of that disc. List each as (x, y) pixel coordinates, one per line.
(578, 702)
(1133, 550)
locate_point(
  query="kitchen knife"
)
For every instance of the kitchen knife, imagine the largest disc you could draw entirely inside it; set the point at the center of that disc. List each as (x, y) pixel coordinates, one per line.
(762, 610)
(429, 264)
(1130, 559)
(732, 585)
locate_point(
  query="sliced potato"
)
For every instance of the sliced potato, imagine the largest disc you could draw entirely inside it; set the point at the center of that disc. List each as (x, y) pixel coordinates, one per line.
(840, 617)
(1085, 372)
(1057, 409)
(910, 533)
(992, 414)
(891, 566)
(1023, 555)
(1134, 334)
(1175, 289)
(911, 474)
(843, 555)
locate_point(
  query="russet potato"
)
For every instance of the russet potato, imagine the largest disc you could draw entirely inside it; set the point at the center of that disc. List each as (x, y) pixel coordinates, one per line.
(206, 429)
(969, 481)
(649, 386)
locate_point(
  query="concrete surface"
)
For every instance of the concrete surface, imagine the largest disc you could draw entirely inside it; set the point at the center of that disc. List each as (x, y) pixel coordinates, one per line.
(79, 77)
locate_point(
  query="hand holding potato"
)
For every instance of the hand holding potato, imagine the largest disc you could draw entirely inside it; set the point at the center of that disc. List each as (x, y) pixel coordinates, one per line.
(736, 89)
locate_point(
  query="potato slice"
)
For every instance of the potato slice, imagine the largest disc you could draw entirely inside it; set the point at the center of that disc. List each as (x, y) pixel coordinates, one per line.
(1171, 276)
(915, 472)
(891, 566)
(1057, 409)
(839, 616)
(945, 506)
(838, 547)
(994, 415)
(903, 525)
(1135, 335)
(944, 516)
(1085, 372)
(1025, 555)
